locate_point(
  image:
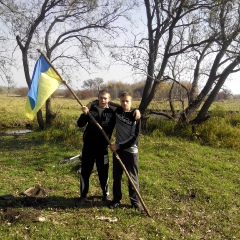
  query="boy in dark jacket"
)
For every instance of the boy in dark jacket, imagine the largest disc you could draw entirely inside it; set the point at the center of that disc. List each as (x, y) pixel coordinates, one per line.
(95, 146)
(126, 146)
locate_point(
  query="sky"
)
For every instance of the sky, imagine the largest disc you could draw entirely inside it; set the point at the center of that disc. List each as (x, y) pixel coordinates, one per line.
(119, 73)
(234, 84)
(116, 73)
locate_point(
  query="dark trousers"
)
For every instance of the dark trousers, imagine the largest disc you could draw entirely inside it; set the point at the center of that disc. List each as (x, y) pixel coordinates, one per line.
(130, 161)
(89, 157)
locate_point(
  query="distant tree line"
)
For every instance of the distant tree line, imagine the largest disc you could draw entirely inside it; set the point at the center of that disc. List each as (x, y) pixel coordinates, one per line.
(116, 88)
(171, 42)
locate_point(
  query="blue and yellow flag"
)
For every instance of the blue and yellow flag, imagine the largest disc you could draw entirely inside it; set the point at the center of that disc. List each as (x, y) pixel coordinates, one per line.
(44, 82)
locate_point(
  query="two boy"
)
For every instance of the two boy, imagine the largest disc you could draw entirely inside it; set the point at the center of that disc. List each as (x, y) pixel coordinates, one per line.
(126, 146)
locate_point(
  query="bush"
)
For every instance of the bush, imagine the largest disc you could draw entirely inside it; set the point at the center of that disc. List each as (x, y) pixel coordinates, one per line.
(86, 94)
(217, 131)
(22, 91)
(221, 130)
(65, 131)
(166, 126)
(218, 111)
(183, 130)
(169, 127)
(234, 119)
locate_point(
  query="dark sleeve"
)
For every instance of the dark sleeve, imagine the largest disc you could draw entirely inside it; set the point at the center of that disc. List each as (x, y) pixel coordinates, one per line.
(83, 120)
(95, 102)
(112, 104)
(133, 139)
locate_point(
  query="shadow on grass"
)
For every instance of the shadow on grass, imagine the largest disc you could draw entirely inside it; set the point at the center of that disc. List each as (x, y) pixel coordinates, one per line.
(9, 201)
(22, 142)
(16, 209)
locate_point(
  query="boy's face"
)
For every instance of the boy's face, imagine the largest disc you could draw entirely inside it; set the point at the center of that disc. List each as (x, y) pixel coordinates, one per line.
(126, 103)
(103, 100)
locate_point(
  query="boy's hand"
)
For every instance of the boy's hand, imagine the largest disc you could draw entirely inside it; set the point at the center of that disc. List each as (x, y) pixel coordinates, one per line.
(85, 110)
(113, 148)
(137, 114)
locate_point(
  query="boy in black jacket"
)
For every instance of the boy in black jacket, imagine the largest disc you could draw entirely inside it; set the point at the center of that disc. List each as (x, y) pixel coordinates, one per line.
(95, 146)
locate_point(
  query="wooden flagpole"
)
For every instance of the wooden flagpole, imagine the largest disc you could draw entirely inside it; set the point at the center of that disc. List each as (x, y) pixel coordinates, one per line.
(103, 132)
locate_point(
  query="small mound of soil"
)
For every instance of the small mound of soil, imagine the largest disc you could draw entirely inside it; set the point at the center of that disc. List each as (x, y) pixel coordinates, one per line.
(36, 192)
(13, 215)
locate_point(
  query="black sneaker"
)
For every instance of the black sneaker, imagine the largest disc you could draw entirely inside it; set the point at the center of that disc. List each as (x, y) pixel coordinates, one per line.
(138, 207)
(113, 205)
(80, 201)
(106, 198)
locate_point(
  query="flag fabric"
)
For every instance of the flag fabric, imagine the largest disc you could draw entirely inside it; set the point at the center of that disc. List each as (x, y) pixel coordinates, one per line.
(44, 82)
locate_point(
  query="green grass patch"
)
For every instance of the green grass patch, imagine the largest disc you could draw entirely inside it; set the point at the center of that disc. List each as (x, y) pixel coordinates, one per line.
(190, 189)
(221, 130)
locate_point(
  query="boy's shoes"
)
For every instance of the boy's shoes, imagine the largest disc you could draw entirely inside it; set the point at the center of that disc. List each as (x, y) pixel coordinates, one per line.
(106, 198)
(138, 207)
(113, 205)
(80, 201)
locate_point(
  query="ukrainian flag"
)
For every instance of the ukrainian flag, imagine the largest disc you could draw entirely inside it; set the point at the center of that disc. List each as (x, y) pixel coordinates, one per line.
(44, 82)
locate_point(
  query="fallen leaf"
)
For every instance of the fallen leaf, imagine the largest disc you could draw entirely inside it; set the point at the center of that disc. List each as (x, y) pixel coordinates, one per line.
(41, 219)
(107, 219)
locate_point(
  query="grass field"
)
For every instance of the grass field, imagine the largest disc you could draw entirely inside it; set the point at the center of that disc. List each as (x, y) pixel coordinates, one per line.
(191, 191)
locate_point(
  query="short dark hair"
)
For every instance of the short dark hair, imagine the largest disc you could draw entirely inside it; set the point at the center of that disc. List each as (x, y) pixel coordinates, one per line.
(104, 91)
(125, 94)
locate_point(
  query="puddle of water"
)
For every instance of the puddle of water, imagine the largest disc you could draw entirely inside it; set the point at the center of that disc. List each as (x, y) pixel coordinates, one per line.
(16, 132)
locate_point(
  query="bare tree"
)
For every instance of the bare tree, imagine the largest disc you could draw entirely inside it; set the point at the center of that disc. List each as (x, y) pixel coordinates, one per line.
(5, 65)
(168, 24)
(5, 61)
(226, 56)
(185, 40)
(73, 30)
(93, 84)
(98, 83)
(88, 84)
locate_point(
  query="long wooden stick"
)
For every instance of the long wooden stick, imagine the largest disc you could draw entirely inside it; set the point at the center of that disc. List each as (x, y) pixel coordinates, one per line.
(103, 132)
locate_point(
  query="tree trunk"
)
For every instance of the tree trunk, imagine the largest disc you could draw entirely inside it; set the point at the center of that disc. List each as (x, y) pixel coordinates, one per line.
(40, 119)
(28, 78)
(50, 116)
(202, 115)
(171, 101)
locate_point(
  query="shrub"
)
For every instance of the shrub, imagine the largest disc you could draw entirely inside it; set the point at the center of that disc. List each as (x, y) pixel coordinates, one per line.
(221, 130)
(218, 111)
(65, 131)
(234, 119)
(85, 94)
(166, 126)
(217, 131)
(21, 91)
(183, 130)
